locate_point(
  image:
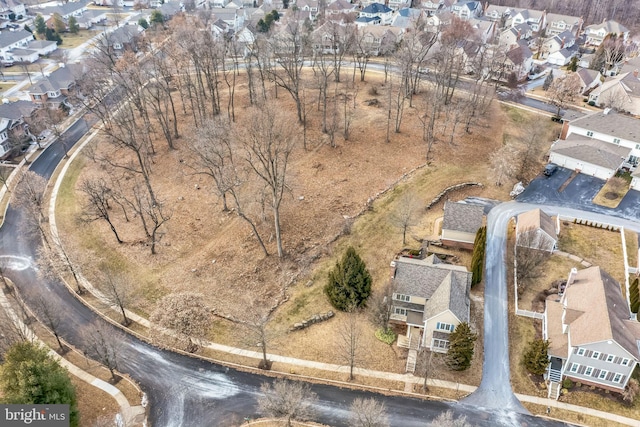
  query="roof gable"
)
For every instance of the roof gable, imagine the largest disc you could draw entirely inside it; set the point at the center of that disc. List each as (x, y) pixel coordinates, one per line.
(462, 217)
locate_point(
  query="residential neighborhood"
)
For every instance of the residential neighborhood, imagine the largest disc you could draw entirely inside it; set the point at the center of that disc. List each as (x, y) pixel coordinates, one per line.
(302, 200)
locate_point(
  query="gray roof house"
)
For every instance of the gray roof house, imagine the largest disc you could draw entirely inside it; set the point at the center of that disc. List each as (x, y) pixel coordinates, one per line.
(536, 230)
(589, 156)
(460, 224)
(431, 298)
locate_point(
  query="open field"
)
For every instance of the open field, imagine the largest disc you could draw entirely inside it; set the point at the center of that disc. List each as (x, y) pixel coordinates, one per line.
(69, 41)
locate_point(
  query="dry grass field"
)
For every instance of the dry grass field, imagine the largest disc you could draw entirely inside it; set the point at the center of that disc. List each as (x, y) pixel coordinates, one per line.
(213, 252)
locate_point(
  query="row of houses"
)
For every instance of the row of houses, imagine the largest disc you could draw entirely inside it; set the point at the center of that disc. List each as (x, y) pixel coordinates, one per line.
(21, 46)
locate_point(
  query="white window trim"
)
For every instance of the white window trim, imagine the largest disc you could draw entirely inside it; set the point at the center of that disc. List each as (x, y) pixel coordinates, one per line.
(574, 368)
(624, 362)
(603, 375)
(581, 352)
(617, 378)
(588, 371)
(400, 311)
(446, 327)
(610, 358)
(595, 355)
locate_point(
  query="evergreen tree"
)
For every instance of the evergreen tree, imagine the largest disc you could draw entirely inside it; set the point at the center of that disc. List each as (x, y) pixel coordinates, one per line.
(461, 343)
(477, 260)
(30, 376)
(547, 81)
(74, 27)
(27, 28)
(41, 27)
(573, 65)
(349, 283)
(143, 23)
(535, 359)
(634, 296)
(156, 17)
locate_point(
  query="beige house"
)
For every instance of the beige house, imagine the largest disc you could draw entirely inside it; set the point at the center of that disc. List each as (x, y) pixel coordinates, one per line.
(431, 299)
(592, 338)
(460, 224)
(537, 230)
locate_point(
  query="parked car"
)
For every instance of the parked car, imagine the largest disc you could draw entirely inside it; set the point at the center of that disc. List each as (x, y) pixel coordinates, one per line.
(550, 169)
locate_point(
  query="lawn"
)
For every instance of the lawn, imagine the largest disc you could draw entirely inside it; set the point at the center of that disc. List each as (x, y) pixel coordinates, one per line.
(631, 242)
(612, 193)
(69, 41)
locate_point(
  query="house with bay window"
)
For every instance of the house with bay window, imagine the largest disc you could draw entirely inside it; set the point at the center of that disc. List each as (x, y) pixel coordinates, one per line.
(431, 298)
(593, 339)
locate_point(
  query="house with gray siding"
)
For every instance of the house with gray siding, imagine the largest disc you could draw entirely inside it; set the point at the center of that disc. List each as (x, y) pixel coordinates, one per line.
(593, 339)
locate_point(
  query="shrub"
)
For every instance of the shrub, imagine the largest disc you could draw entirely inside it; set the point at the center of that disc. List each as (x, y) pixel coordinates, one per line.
(349, 283)
(477, 260)
(414, 252)
(461, 344)
(387, 337)
(567, 383)
(535, 358)
(592, 103)
(634, 296)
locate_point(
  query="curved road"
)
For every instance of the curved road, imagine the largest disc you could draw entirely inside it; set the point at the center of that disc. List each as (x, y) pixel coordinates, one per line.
(185, 391)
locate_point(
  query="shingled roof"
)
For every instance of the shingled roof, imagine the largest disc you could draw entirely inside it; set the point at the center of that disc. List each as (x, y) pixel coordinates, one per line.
(592, 151)
(462, 217)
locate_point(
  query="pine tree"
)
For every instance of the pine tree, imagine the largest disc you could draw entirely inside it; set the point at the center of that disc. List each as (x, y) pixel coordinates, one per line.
(349, 283)
(30, 376)
(74, 27)
(461, 344)
(477, 260)
(41, 27)
(535, 359)
(547, 81)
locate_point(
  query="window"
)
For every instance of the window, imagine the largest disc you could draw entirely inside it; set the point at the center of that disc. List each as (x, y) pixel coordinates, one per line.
(610, 358)
(617, 378)
(589, 133)
(440, 344)
(445, 327)
(588, 371)
(401, 297)
(616, 141)
(581, 351)
(633, 160)
(595, 355)
(574, 367)
(625, 362)
(603, 375)
(400, 311)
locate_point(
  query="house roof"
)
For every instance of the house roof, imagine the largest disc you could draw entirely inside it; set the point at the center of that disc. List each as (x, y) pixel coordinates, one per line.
(62, 78)
(611, 123)
(631, 65)
(462, 217)
(40, 44)
(340, 5)
(537, 219)
(453, 295)
(588, 76)
(376, 8)
(593, 151)
(611, 27)
(558, 341)
(605, 312)
(16, 110)
(564, 53)
(22, 52)
(63, 9)
(567, 19)
(123, 35)
(421, 278)
(519, 54)
(7, 38)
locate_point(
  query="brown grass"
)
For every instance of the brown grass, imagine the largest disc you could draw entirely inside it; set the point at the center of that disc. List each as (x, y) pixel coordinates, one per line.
(597, 246)
(612, 193)
(631, 242)
(570, 416)
(69, 41)
(556, 267)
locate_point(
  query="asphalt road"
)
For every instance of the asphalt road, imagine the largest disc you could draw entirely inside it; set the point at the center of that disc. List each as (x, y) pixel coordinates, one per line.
(186, 391)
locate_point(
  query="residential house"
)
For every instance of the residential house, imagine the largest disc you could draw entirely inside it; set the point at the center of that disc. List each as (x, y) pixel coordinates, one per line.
(557, 24)
(596, 33)
(434, 23)
(375, 14)
(536, 230)
(10, 40)
(561, 57)
(598, 144)
(592, 338)
(92, 17)
(330, 37)
(435, 7)
(121, 39)
(534, 18)
(586, 60)
(460, 224)
(431, 299)
(622, 93)
(339, 7)
(65, 10)
(310, 6)
(12, 125)
(53, 90)
(519, 60)
(234, 18)
(630, 65)
(509, 37)
(12, 7)
(556, 43)
(466, 9)
(42, 47)
(398, 4)
(23, 55)
(377, 40)
(498, 13)
(484, 29)
(408, 17)
(589, 79)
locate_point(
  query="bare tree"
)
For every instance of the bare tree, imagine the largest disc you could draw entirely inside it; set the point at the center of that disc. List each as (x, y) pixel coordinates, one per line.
(259, 331)
(368, 413)
(10, 330)
(97, 206)
(179, 317)
(504, 163)
(428, 363)
(380, 305)
(405, 213)
(563, 91)
(287, 400)
(50, 317)
(446, 419)
(268, 142)
(349, 347)
(530, 257)
(118, 292)
(104, 346)
(29, 197)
